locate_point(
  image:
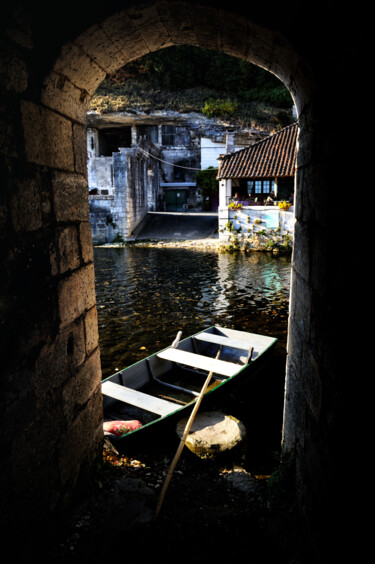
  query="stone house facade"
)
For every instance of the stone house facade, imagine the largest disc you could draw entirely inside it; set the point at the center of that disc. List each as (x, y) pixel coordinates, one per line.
(145, 163)
(123, 187)
(260, 169)
(253, 180)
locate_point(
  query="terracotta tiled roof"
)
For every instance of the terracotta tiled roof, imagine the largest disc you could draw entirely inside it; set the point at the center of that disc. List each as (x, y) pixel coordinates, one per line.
(274, 156)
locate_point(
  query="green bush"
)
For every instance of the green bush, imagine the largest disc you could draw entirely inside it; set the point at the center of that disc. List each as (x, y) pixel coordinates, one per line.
(208, 184)
(219, 108)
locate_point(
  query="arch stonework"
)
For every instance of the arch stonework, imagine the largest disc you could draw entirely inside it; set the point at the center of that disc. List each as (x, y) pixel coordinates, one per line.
(51, 406)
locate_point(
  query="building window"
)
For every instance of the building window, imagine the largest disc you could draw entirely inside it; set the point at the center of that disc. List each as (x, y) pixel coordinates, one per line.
(266, 186)
(169, 134)
(149, 132)
(174, 136)
(259, 186)
(111, 139)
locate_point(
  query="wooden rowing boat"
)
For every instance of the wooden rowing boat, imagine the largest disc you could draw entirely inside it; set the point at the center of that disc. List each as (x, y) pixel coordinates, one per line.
(164, 386)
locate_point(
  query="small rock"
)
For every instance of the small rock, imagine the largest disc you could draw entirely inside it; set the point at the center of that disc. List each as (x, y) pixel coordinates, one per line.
(242, 480)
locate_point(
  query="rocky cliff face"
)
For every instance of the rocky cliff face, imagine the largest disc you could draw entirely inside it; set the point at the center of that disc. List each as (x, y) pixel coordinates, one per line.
(213, 128)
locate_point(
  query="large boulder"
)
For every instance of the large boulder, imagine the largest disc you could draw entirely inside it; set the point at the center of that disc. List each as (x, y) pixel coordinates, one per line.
(213, 434)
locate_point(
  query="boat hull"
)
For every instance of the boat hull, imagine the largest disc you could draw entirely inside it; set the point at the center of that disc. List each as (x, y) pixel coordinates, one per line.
(162, 371)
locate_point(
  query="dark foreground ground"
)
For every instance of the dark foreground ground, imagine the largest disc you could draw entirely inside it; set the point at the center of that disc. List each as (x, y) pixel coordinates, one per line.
(228, 509)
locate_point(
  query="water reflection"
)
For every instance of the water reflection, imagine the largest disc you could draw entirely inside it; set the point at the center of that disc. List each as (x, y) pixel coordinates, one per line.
(146, 295)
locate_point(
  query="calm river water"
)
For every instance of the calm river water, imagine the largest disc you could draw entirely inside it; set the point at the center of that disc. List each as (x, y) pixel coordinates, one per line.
(146, 295)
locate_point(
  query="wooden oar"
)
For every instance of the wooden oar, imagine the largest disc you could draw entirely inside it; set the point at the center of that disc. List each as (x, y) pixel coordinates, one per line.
(183, 440)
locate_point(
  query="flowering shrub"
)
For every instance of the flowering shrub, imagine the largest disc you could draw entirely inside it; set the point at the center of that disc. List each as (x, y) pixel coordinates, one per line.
(284, 205)
(234, 206)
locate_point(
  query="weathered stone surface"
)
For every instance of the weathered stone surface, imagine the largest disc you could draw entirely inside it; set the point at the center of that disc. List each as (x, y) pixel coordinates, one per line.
(80, 153)
(125, 37)
(26, 206)
(82, 386)
(48, 137)
(178, 22)
(101, 49)
(70, 197)
(77, 294)
(212, 433)
(79, 68)
(61, 95)
(57, 358)
(91, 330)
(81, 435)
(69, 249)
(85, 233)
(150, 26)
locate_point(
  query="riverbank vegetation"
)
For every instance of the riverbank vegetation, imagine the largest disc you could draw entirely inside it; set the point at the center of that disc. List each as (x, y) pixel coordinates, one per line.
(267, 241)
(190, 79)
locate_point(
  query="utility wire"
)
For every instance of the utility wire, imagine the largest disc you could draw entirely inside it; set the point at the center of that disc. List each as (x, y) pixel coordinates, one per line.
(166, 162)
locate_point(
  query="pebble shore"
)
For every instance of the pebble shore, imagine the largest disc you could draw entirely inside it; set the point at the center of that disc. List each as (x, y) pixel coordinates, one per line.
(209, 243)
(264, 243)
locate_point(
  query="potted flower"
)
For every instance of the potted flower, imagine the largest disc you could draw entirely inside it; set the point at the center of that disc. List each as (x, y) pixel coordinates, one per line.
(235, 206)
(284, 205)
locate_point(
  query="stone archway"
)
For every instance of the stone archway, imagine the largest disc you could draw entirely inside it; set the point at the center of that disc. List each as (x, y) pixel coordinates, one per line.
(51, 361)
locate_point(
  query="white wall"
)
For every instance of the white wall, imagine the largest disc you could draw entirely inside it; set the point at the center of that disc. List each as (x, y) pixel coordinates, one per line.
(256, 218)
(211, 150)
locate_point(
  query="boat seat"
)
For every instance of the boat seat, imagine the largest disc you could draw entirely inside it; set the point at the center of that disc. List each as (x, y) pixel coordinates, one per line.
(200, 361)
(222, 340)
(138, 399)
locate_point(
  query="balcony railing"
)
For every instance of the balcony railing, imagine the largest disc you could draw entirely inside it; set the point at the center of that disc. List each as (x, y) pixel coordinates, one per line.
(256, 201)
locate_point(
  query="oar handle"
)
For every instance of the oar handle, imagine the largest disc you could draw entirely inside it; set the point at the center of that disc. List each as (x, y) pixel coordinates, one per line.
(177, 340)
(183, 439)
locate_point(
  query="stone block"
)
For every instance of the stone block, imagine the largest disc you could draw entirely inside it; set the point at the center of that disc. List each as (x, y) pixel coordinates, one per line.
(150, 26)
(81, 443)
(48, 137)
(206, 27)
(80, 69)
(91, 330)
(26, 206)
(81, 387)
(76, 294)
(70, 196)
(85, 234)
(69, 254)
(58, 359)
(61, 95)
(178, 23)
(101, 49)
(125, 36)
(80, 149)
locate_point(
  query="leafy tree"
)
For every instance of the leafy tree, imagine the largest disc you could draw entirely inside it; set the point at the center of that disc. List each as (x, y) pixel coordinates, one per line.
(208, 183)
